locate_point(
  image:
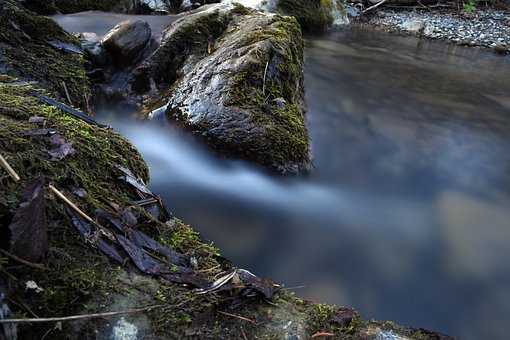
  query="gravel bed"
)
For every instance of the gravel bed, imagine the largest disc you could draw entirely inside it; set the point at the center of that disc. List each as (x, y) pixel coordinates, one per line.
(487, 28)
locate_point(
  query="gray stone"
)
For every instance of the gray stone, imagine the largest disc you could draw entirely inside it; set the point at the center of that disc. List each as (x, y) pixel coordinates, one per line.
(126, 41)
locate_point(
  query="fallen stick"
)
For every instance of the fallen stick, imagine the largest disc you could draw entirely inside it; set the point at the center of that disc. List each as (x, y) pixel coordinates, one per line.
(374, 6)
(80, 317)
(73, 206)
(25, 262)
(322, 334)
(237, 317)
(67, 93)
(264, 80)
(9, 169)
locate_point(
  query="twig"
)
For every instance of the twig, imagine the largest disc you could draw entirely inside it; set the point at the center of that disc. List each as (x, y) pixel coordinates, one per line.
(238, 317)
(320, 334)
(9, 169)
(80, 317)
(25, 262)
(73, 206)
(264, 82)
(374, 6)
(67, 93)
(244, 334)
(86, 97)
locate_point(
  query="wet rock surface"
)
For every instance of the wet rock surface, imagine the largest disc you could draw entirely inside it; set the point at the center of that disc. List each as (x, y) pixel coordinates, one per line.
(239, 84)
(126, 41)
(486, 28)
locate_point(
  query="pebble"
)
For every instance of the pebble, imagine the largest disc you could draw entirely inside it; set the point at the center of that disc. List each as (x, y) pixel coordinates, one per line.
(486, 28)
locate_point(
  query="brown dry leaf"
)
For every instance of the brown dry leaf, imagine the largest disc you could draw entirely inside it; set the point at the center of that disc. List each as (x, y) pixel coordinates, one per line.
(29, 234)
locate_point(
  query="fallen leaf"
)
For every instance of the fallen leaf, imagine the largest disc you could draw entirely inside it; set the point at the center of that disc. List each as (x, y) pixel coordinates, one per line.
(62, 148)
(87, 231)
(29, 234)
(135, 182)
(141, 259)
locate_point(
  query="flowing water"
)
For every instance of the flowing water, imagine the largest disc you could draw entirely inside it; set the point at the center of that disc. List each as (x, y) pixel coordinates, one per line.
(405, 216)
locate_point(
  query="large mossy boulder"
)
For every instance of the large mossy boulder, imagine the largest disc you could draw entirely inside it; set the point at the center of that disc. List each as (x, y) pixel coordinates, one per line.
(312, 15)
(236, 78)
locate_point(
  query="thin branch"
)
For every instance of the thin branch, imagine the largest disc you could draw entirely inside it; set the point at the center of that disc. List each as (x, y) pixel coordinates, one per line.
(238, 317)
(374, 6)
(322, 334)
(73, 206)
(20, 260)
(67, 93)
(9, 169)
(264, 82)
(80, 317)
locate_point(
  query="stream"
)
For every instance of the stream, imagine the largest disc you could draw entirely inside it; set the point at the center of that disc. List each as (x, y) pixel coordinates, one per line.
(405, 216)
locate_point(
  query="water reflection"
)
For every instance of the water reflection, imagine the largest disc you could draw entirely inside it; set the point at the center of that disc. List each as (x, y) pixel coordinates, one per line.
(405, 215)
(101, 22)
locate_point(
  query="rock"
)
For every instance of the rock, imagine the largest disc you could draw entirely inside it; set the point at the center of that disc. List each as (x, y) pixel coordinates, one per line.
(91, 44)
(126, 41)
(238, 82)
(312, 15)
(414, 25)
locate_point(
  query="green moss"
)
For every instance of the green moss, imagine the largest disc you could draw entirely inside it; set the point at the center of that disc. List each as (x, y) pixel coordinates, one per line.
(284, 123)
(26, 54)
(190, 36)
(312, 15)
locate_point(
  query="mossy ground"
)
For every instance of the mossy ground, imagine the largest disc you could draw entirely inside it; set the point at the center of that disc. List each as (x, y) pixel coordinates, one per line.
(312, 15)
(25, 53)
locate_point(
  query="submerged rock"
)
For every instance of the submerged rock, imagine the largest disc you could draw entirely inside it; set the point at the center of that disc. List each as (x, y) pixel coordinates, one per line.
(237, 80)
(126, 41)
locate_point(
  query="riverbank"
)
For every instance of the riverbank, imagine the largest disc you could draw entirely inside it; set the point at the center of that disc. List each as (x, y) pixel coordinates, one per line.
(486, 27)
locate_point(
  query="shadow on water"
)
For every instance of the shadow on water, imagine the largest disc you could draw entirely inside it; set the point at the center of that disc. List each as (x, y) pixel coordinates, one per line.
(405, 215)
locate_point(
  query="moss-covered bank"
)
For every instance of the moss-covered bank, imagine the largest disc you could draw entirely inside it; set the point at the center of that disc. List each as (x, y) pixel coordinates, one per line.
(25, 52)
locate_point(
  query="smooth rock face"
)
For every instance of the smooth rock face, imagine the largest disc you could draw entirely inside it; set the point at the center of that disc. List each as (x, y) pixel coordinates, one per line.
(238, 83)
(126, 41)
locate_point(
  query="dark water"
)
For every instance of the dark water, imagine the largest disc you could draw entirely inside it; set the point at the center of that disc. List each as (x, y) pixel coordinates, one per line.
(101, 22)
(405, 216)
